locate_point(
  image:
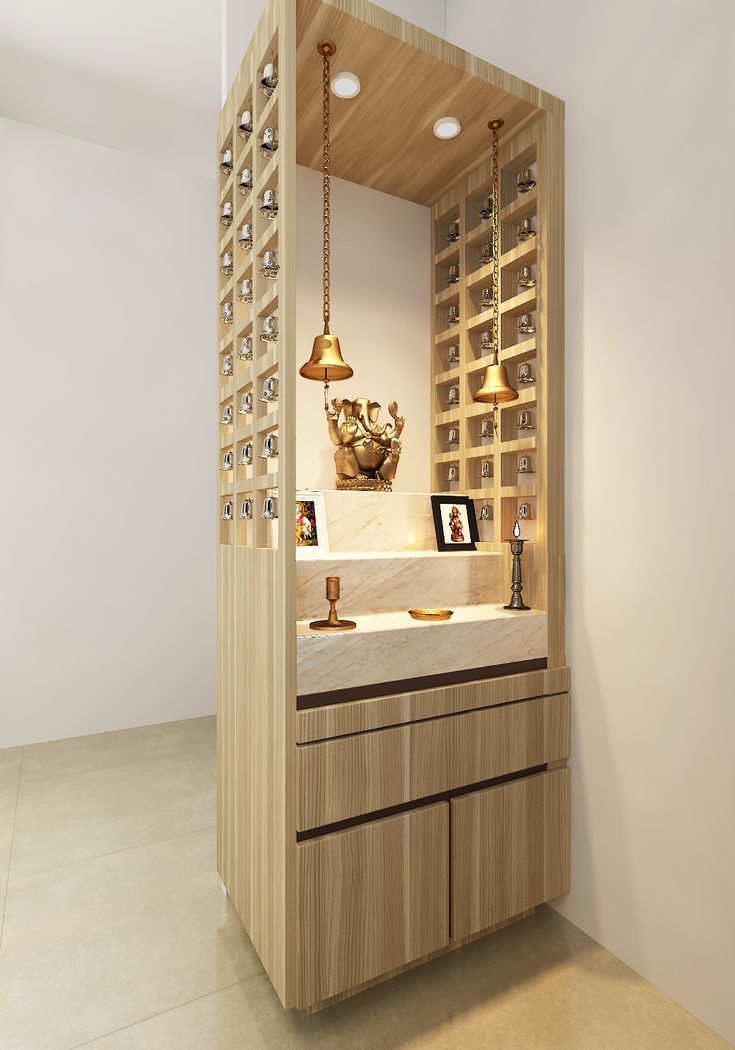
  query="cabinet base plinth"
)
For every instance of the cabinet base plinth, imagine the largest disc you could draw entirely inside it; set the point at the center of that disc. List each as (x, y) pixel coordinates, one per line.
(417, 962)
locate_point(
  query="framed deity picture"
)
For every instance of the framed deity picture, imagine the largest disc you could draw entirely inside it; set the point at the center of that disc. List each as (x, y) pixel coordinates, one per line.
(455, 522)
(311, 524)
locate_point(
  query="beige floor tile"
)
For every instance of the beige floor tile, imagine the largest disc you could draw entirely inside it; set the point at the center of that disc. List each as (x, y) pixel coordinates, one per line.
(209, 758)
(98, 945)
(9, 766)
(8, 800)
(200, 732)
(541, 985)
(83, 754)
(65, 819)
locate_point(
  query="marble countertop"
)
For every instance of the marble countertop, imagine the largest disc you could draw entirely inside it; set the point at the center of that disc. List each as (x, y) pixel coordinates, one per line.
(393, 621)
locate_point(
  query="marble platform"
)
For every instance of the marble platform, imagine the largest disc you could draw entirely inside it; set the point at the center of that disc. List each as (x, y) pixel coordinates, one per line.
(379, 521)
(395, 581)
(388, 647)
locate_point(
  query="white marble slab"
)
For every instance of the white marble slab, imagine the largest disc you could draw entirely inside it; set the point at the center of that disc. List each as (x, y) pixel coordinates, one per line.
(379, 521)
(390, 647)
(381, 581)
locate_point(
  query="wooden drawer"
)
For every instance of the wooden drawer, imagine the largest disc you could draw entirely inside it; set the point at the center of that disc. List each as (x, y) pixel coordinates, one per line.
(344, 778)
(510, 850)
(372, 898)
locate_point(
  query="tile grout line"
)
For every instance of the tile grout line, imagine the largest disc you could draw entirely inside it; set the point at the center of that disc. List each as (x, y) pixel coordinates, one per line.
(103, 769)
(10, 854)
(171, 1009)
(112, 853)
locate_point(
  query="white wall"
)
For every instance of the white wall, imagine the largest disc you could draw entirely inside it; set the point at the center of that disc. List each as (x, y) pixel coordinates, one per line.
(108, 439)
(650, 95)
(381, 312)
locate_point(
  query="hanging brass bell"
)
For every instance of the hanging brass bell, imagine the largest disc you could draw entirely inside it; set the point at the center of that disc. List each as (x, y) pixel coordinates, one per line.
(326, 363)
(496, 386)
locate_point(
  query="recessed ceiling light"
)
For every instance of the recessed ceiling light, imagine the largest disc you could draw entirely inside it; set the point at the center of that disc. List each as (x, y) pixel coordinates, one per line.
(345, 85)
(447, 127)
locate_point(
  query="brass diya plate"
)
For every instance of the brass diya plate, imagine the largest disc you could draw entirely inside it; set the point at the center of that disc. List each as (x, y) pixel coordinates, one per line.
(430, 614)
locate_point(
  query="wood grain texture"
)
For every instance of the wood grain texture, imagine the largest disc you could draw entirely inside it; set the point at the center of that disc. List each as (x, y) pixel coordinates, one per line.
(510, 849)
(353, 775)
(256, 662)
(409, 79)
(451, 947)
(371, 899)
(359, 716)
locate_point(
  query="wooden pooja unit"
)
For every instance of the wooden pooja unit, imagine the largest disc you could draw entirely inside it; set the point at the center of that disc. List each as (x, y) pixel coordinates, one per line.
(362, 838)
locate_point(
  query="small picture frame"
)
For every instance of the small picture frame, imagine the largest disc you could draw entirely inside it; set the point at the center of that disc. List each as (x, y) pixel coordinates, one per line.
(455, 522)
(311, 524)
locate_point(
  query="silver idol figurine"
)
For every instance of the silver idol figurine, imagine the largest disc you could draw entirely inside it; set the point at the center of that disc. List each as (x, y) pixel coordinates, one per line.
(525, 181)
(525, 421)
(486, 208)
(486, 429)
(226, 214)
(245, 295)
(486, 341)
(453, 354)
(245, 127)
(453, 315)
(485, 469)
(524, 511)
(246, 404)
(246, 510)
(245, 236)
(227, 314)
(246, 348)
(269, 144)
(485, 512)
(453, 436)
(226, 369)
(525, 278)
(226, 415)
(452, 474)
(525, 375)
(226, 463)
(453, 395)
(525, 230)
(453, 273)
(245, 182)
(269, 79)
(270, 447)
(269, 331)
(270, 266)
(227, 511)
(269, 204)
(270, 390)
(486, 297)
(246, 454)
(226, 263)
(525, 325)
(270, 507)
(453, 231)
(225, 165)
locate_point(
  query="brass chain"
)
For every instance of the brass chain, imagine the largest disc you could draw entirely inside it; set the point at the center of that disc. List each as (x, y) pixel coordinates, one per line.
(326, 186)
(496, 243)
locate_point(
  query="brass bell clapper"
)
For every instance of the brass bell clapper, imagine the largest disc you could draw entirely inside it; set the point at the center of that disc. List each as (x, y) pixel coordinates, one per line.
(332, 622)
(326, 362)
(516, 603)
(495, 388)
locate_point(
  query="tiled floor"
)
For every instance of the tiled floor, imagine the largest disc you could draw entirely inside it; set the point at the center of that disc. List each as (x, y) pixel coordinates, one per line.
(115, 934)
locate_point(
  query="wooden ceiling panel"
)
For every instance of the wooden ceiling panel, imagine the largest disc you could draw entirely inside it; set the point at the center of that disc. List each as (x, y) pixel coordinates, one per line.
(384, 137)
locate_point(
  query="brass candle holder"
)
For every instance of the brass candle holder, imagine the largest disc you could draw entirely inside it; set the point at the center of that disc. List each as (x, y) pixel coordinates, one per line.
(332, 622)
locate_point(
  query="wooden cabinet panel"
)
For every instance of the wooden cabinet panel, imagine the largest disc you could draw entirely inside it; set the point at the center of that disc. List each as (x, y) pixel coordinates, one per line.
(372, 898)
(344, 778)
(510, 850)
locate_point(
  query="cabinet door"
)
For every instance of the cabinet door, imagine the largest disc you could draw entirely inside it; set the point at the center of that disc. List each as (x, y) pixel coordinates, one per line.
(372, 898)
(510, 850)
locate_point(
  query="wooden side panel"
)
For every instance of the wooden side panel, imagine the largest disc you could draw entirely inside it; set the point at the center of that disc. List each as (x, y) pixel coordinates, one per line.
(510, 850)
(256, 658)
(371, 771)
(371, 899)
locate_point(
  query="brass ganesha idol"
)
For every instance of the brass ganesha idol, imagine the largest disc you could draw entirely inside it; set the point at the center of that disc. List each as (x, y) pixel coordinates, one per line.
(367, 451)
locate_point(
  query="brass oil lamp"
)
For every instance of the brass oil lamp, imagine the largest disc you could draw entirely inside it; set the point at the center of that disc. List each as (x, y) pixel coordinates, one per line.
(326, 362)
(495, 388)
